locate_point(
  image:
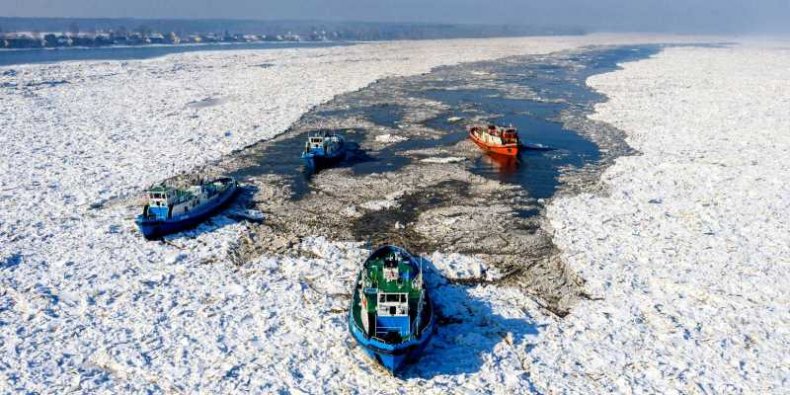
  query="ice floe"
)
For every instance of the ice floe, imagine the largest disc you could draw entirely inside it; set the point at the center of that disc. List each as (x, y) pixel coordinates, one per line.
(446, 159)
(390, 138)
(464, 268)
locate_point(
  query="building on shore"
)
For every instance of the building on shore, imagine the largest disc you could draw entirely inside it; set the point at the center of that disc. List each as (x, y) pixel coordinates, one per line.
(141, 36)
(172, 38)
(156, 38)
(24, 40)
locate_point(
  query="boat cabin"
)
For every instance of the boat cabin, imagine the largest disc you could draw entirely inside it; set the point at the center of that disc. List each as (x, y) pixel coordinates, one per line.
(323, 143)
(159, 200)
(314, 141)
(507, 135)
(391, 293)
(165, 202)
(319, 140)
(393, 315)
(494, 136)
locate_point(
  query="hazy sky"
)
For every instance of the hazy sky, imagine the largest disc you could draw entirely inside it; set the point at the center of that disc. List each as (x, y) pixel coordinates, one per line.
(651, 15)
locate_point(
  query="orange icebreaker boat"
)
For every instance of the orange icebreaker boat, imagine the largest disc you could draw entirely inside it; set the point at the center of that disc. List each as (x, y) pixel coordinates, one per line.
(495, 139)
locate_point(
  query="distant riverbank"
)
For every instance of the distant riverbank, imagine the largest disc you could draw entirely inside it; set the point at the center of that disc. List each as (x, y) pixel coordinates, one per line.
(9, 57)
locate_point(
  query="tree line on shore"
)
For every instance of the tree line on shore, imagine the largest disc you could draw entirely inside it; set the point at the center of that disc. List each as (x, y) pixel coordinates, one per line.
(141, 36)
(67, 32)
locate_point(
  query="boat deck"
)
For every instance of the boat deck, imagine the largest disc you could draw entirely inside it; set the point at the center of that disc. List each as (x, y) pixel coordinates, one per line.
(373, 274)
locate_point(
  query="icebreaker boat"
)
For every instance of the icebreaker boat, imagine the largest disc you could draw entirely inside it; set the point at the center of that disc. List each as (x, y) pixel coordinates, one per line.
(323, 148)
(495, 139)
(391, 316)
(170, 209)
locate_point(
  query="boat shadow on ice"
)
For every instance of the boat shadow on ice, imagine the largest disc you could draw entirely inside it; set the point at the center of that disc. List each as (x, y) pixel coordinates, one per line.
(470, 332)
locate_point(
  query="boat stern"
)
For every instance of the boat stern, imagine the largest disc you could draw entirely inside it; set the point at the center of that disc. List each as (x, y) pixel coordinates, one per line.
(391, 356)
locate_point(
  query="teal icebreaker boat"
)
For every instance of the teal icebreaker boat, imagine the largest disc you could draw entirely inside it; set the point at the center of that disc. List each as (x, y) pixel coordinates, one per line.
(323, 148)
(170, 209)
(391, 316)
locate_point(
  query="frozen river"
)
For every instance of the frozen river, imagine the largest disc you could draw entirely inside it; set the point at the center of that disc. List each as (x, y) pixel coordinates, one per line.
(674, 282)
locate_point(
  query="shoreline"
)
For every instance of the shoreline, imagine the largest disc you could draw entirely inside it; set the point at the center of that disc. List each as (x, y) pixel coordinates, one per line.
(114, 46)
(49, 56)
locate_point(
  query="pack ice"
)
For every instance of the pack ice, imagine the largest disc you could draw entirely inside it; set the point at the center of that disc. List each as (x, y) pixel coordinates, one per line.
(689, 251)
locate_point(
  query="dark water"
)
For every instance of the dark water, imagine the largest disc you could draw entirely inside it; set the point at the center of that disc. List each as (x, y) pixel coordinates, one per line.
(535, 170)
(388, 115)
(282, 156)
(25, 56)
(558, 84)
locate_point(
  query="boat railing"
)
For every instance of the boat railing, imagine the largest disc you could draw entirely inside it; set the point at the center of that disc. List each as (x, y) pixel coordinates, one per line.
(403, 338)
(386, 329)
(378, 339)
(417, 320)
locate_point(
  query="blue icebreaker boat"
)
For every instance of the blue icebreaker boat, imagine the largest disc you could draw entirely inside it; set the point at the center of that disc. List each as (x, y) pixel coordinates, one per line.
(391, 316)
(171, 209)
(323, 148)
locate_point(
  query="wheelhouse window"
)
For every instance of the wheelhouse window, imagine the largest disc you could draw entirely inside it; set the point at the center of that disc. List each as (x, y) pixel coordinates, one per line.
(393, 304)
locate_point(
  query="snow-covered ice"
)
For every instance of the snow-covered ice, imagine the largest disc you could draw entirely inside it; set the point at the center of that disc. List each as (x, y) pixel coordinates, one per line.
(390, 138)
(87, 305)
(689, 252)
(462, 267)
(446, 159)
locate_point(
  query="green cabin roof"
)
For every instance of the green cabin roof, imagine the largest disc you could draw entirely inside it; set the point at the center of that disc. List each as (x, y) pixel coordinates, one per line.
(374, 273)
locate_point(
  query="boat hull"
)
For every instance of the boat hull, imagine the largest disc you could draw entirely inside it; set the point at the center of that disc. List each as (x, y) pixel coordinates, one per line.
(315, 160)
(506, 150)
(320, 161)
(392, 356)
(154, 229)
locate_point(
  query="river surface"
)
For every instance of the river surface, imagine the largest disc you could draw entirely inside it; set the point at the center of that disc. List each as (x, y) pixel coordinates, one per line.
(52, 55)
(531, 93)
